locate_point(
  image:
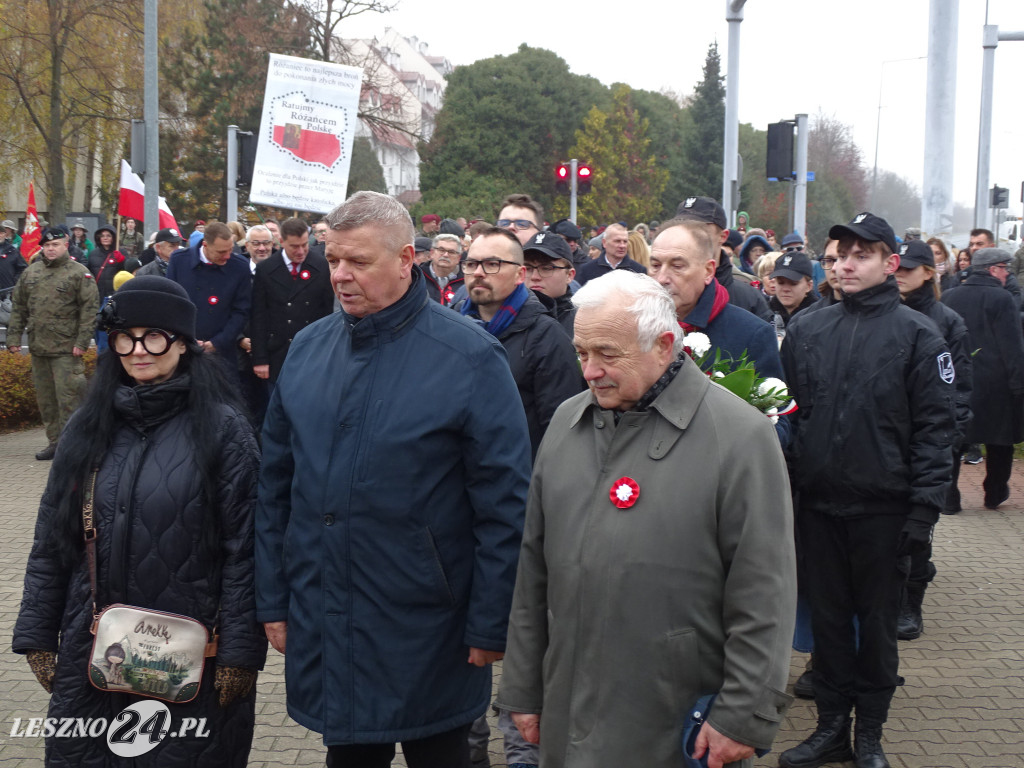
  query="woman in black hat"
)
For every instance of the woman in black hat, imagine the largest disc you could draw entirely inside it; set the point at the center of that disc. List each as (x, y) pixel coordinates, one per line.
(176, 464)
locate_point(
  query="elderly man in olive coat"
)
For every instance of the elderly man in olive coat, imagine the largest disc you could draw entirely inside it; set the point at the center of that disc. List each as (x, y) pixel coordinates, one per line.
(671, 577)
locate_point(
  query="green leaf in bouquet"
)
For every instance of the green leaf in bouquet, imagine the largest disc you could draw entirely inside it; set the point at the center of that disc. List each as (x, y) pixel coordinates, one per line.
(739, 382)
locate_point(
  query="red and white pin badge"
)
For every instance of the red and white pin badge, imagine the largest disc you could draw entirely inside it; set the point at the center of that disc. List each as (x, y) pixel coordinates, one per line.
(213, 299)
(304, 274)
(110, 260)
(624, 492)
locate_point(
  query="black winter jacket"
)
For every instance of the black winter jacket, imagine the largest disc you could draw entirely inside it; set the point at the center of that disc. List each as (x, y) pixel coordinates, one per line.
(954, 331)
(149, 516)
(741, 294)
(11, 264)
(874, 385)
(544, 365)
(104, 264)
(776, 307)
(990, 313)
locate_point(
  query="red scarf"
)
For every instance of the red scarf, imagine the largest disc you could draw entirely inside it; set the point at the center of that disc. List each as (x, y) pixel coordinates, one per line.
(721, 299)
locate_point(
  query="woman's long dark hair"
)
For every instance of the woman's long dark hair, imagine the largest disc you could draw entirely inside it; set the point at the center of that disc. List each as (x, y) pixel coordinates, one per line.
(92, 430)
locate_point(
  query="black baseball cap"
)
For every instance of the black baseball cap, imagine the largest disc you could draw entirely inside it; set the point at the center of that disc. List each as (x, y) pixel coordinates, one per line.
(566, 229)
(914, 253)
(169, 235)
(704, 209)
(793, 266)
(548, 244)
(869, 227)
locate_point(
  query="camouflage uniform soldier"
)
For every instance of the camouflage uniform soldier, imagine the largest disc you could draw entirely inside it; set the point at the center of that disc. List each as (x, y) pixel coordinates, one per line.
(56, 301)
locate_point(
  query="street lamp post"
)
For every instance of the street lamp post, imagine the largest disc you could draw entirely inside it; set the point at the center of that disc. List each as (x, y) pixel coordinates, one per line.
(878, 122)
(730, 159)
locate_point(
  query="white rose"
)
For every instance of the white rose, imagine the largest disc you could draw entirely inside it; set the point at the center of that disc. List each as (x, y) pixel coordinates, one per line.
(698, 342)
(772, 384)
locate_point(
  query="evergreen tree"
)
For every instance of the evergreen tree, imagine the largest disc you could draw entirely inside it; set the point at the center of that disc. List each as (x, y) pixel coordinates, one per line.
(365, 172)
(703, 146)
(505, 124)
(627, 181)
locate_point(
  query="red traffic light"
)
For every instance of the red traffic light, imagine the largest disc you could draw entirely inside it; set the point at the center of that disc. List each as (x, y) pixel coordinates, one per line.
(562, 179)
(583, 179)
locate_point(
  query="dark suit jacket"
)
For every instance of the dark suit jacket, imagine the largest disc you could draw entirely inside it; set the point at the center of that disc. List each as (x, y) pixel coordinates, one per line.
(282, 306)
(222, 295)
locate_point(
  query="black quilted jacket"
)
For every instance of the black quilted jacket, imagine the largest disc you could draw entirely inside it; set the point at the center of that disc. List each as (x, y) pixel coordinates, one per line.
(149, 517)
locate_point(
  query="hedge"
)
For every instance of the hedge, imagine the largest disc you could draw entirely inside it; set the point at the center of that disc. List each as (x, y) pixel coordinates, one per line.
(17, 395)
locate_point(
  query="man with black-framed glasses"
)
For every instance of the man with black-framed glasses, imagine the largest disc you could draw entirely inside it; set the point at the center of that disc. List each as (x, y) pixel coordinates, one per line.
(522, 216)
(542, 357)
(442, 272)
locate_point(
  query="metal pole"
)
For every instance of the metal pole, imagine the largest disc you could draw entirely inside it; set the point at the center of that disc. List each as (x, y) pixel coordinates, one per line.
(574, 165)
(878, 133)
(878, 122)
(800, 193)
(989, 41)
(939, 129)
(730, 154)
(232, 212)
(151, 114)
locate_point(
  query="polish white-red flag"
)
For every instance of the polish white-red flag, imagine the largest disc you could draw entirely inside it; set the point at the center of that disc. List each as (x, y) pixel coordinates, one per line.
(132, 200)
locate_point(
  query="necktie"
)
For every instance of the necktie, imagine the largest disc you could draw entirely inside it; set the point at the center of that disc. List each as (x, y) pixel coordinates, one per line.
(295, 270)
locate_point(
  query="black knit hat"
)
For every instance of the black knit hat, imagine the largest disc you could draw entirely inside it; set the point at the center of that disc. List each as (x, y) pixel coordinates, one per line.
(150, 301)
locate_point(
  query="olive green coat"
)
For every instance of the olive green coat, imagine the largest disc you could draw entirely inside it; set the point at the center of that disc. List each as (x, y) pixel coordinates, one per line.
(623, 618)
(57, 302)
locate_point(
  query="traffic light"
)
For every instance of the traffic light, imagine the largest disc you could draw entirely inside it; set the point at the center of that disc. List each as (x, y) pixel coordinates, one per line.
(999, 197)
(780, 151)
(583, 178)
(562, 179)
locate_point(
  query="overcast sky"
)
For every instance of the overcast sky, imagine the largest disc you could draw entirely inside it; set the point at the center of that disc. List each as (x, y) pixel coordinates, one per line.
(796, 56)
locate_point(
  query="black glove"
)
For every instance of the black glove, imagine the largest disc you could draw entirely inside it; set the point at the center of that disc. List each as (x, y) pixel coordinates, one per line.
(233, 683)
(916, 535)
(44, 667)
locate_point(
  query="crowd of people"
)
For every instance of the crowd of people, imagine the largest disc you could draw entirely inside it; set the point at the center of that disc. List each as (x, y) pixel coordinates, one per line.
(400, 456)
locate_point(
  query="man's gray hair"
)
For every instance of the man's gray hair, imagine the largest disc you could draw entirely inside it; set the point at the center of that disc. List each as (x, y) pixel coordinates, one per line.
(256, 230)
(651, 305)
(610, 227)
(377, 210)
(446, 238)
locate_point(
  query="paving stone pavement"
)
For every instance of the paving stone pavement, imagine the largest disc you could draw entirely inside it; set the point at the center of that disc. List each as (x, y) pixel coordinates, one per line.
(962, 705)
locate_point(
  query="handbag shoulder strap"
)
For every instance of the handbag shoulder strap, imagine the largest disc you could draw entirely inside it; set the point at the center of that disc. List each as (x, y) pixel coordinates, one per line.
(89, 533)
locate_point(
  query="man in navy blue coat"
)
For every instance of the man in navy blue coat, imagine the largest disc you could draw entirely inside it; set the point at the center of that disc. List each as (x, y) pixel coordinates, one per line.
(616, 249)
(219, 283)
(387, 531)
(684, 260)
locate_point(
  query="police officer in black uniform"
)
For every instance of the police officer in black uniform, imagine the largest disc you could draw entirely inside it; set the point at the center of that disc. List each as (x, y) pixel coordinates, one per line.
(871, 458)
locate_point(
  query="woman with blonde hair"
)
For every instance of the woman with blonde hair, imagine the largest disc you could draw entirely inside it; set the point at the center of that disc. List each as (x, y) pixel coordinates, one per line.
(638, 250)
(764, 267)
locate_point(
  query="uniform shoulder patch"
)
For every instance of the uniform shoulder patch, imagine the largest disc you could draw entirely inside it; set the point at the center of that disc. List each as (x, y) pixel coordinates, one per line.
(946, 371)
